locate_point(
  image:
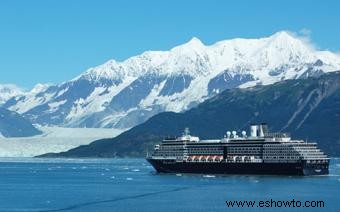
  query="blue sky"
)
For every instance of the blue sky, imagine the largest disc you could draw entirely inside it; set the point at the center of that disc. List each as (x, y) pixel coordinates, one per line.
(51, 41)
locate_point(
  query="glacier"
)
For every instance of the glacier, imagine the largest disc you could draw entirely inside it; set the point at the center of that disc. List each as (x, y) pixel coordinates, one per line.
(53, 139)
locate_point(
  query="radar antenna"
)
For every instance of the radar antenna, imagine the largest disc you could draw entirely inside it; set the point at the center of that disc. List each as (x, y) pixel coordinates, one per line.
(186, 131)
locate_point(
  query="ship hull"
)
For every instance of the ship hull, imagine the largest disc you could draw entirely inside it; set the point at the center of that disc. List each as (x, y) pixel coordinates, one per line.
(298, 168)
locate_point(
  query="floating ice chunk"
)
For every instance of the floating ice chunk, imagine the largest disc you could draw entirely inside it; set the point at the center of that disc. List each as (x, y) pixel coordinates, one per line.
(209, 176)
(330, 175)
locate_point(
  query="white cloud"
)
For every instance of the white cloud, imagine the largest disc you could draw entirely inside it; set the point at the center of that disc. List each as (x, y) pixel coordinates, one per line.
(305, 35)
(305, 32)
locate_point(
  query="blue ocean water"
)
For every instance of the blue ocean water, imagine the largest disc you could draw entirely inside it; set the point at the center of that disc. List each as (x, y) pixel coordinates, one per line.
(133, 185)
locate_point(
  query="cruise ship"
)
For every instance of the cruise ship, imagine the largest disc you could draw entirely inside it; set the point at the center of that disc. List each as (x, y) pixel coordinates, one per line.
(261, 153)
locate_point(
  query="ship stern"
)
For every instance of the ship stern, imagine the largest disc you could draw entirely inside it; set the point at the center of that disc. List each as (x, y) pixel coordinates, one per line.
(316, 167)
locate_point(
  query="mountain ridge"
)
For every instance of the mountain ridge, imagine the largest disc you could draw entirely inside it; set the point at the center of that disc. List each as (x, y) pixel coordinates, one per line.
(309, 109)
(124, 94)
(14, 125)
(7, 91)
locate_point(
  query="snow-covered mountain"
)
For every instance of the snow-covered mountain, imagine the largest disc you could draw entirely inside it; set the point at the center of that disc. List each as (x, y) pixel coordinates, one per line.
(123, 94)
(7, 91)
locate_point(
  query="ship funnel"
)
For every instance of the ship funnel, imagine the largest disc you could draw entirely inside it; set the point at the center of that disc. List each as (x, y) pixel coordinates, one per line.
(262, 130)
(260, 133)
(253, 130)
(264, 127)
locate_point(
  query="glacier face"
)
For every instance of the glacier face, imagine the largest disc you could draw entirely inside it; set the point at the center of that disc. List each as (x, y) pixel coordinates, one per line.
(124, 94)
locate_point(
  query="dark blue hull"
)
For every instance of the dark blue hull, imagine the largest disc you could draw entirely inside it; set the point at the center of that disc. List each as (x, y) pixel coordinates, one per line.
(299, 168)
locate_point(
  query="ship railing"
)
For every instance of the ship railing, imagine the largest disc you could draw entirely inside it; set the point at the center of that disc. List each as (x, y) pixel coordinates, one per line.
(163, 157)
(281, 160)
(321, 158)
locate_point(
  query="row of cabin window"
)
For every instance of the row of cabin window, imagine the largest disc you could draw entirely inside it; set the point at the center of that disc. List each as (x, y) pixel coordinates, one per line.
(202, 149)
(199, 151)
(244, 151)
(164, 155)
(281, 157)
(244, 148)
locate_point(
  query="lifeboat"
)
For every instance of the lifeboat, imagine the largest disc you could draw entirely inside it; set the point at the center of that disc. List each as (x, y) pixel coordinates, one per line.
(218, 158)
